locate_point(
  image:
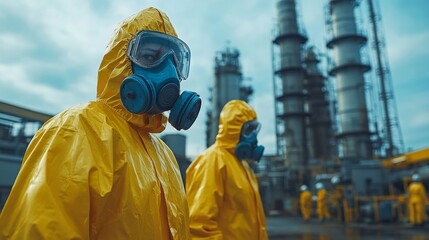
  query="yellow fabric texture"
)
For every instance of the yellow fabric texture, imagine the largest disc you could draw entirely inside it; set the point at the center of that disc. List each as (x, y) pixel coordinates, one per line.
(223, 194)
(322, 209)
(305, 204)
(96, 171)
(416, 203)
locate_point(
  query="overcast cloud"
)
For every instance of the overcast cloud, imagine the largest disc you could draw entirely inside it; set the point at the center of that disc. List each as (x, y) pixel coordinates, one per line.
(50, 52)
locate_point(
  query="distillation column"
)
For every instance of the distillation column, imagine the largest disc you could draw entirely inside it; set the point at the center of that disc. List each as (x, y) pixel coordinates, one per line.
(322, 141)
(346, 42)
(228, 85)
(289, 91)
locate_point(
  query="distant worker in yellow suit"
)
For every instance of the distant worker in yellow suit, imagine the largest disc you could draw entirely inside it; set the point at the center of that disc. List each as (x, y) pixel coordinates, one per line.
(322, 208)
(416, 201)
(222, 190)
(305, 202)
(337, 199)
(97, 170)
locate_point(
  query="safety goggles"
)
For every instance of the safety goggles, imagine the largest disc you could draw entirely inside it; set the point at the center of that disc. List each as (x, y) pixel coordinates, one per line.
(250, 127)
(149, 48)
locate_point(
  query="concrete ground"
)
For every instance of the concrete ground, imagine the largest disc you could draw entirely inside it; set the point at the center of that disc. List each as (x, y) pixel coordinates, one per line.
(294, 228)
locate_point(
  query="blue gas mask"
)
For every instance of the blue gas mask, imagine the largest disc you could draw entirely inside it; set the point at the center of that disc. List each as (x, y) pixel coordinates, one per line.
(159, 63)
(247, 148)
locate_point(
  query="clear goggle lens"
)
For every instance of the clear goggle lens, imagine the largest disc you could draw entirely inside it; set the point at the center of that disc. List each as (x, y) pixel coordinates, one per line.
(149, 48)
(250, 127)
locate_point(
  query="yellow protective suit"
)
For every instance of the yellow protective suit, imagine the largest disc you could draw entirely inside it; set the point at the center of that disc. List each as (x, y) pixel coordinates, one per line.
(322, 209)
(223, 195)
(337, 201)
(416, 203)
(97, 171)
(305, 204)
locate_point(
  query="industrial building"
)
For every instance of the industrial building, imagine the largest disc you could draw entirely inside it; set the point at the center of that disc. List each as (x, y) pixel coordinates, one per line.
(307, 130)
(17, 127)
(327, 122)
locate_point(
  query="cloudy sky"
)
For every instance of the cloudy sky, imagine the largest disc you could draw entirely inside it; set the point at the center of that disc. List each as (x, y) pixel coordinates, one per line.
(50, 52)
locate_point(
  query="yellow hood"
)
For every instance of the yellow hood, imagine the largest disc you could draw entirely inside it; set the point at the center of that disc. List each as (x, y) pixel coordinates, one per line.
(116, 66)
(232, 117)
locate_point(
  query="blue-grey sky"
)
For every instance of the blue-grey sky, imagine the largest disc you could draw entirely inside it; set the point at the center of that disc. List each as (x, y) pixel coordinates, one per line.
(50, 52)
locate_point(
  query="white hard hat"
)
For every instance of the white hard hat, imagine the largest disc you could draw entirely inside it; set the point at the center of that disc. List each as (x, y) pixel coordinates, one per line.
(319, 185)
(415, 177)
(335, 179)
(303, 188)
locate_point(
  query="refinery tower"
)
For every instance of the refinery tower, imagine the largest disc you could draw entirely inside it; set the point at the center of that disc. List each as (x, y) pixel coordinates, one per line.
(228, 84)
(321, 142)
(291, 116)
(346, 42)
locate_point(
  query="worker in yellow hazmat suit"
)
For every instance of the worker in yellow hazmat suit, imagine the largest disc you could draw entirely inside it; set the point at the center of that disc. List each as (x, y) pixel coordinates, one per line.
(97, 171)
(305, 202)
(322, 208)
(416, 201)
(222, 190)
(337, 198)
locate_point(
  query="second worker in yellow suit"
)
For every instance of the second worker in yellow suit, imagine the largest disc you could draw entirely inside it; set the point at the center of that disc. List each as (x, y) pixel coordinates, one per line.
(305, 202)
(322, 208)
(222, 190)
(416, 201)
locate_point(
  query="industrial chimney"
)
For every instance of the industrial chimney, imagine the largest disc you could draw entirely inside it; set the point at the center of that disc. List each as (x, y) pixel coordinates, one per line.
(346, 42)
(321, 141)
(289, 38)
